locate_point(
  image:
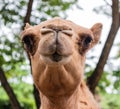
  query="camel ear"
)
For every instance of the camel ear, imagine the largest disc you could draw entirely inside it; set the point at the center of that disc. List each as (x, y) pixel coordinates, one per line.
(89, 40)
(96, 30)
(29, 39)
(27, 25)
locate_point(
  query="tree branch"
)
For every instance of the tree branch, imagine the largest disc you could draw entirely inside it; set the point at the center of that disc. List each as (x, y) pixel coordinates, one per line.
(107, 3)
(96, 76)
(13, 100)
(119, 18)
(28, 13)
(27, 20)
(37, 97)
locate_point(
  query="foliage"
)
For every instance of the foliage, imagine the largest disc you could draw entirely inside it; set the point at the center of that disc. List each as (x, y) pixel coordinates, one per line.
(46, 9)
(11, 20)
(110, 81)
(103, 83)
(23, 93)
(110, 101)
(105, 8)
(12, 56)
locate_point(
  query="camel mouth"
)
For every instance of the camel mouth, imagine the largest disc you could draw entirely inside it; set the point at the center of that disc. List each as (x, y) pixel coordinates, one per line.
(56, 57)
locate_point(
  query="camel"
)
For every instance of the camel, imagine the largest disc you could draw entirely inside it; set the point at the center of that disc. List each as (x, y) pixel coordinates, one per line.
(57, 50)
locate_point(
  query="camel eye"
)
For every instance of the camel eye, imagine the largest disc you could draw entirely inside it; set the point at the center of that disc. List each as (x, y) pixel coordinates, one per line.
(87, 40)
(84, 42)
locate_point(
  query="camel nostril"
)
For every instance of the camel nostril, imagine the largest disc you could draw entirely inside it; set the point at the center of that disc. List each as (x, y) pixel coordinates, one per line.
(44, 27)
(45, 30)
(68, 32)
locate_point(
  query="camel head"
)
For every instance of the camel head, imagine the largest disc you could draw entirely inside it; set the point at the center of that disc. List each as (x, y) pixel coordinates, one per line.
(57, 51)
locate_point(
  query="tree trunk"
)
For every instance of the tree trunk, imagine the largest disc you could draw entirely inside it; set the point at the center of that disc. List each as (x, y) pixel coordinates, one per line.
(96, 76)
(13, 100)
(37, 97)
(28, 13)
(27, 20)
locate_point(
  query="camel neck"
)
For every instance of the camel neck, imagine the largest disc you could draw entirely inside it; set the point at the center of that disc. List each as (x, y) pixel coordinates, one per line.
(81, 98)
(60, 102)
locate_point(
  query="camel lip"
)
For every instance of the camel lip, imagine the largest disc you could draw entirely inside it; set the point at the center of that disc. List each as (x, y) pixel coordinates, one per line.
(56, 57)
(56, 54)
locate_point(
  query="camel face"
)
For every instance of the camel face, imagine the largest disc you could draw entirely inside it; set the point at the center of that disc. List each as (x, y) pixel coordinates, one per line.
(57, 40)
(56, 45)
(57, 51)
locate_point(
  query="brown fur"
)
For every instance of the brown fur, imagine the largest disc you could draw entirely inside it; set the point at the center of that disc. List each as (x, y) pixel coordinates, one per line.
(57, 51)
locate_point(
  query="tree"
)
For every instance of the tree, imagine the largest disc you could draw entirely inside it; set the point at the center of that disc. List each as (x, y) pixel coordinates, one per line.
(13, 12)
(14, 102)
(96, 76)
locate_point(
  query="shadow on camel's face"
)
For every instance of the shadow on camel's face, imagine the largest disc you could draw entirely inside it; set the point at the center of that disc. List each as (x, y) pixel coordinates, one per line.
(58, 41)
